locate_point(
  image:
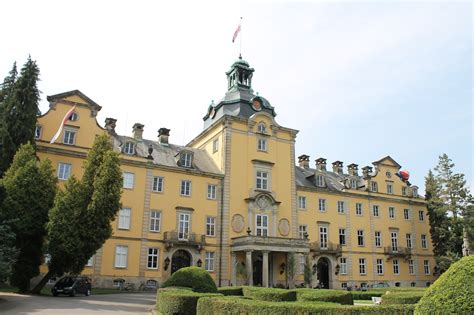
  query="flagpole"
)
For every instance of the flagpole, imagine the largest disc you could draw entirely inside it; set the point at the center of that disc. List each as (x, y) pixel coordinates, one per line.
(240, 49)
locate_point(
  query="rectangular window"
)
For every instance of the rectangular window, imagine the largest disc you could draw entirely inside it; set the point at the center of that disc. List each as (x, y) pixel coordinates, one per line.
(404, 191)
(341, 207)
(424, 243)
(183, 227)
(302, 230)
(185, 188)
(360, 237)
(353, 183)
(378, 239)
(342, 236)
(323, 237)
(344, 285)
(426, 266)
(211, 192)
(153, 258)
(411, 267)
(373, 186)
(155, 221)
(362, 269)
(343, 265)
(302, 202)
(409, 241)
(211, 226)
(158, 184)
(209, 264)
(391, 212)
(375, 209)
(262, 224)
(322, 205)
(319, 180)
(380, 266)
(389, 189)
(215, 146)
(38, 130)
(64, 171)
(121, 253)
(358, 209)
(69, 137)
(128, 180)
(394, 240)
(396, 267)
(406, 214)
(186, 159)
(124, 218)
(262, 144)
(421, 215)
(262, 180)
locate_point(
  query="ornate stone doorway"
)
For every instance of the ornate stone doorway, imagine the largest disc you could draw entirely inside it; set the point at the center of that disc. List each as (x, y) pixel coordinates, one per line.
(323, 268)
(180, 259)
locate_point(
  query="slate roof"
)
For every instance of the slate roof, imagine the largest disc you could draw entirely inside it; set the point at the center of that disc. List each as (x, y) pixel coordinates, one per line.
(333, 181)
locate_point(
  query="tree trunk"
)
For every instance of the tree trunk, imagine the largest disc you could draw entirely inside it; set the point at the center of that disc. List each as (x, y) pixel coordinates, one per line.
(37, 289)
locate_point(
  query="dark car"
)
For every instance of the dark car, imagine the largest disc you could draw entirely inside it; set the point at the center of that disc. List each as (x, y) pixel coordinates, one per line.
(71, 286)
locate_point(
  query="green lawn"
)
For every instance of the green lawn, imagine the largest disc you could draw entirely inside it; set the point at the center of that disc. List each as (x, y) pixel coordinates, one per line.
(47, 290)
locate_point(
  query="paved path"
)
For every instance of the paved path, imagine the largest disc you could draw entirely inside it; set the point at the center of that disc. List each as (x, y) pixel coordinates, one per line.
(123, 303)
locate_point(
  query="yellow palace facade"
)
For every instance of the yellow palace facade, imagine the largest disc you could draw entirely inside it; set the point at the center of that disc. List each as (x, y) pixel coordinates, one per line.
(236, 201)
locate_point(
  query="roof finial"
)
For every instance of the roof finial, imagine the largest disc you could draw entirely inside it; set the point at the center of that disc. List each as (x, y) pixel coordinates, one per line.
(240, 56)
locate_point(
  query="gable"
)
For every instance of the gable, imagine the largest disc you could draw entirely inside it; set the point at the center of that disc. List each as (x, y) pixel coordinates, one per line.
(387, 161)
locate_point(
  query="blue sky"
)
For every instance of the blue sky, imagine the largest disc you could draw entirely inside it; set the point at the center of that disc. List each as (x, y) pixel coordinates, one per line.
(360, 80)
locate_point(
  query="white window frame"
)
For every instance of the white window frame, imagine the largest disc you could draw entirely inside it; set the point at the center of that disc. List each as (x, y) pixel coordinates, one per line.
(211, 192)
(359, 208)
(38, 132)
(353, 183)
(158, 184)
(184, 225)
(424, 241)
(262, 180)
(378, 238)
(121, 256)
(409, 240)
(360, 236)
(421, 215)
(394, 240)
(389, 188)
(302, 202)
(322, 205)
(124, 219)
(69, 136)
(411, 266)
(404, 191)
(362, 266)
(261, 127)
(262, 144)
(376, 211)
(374, 187)
(64, 171)
(262, 228)
(320, 180)
(155, 221)
(153, 258)
(343, 265)
(209, 261)
(302, 229)
(215, 145)
(426, 267)
(342, 236)
(391, 212)
(128, 180)
(186, 159)
(129, 148)
(323, 236)
(396, 266)
(379, 266)
(211, 226)
(185, 189)
(341, 207)
(406, 214)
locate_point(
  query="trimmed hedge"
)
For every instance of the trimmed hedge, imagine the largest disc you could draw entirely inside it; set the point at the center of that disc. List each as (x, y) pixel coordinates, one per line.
(269, 294)
(177, 301)
(233, 291)
(402, 297)
(453, 292)
(236, 305)
(192, 277)
(365, 295)
(325, 295)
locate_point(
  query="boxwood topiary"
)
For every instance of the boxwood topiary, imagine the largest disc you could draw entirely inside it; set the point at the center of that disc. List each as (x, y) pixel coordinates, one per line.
(406, 297)
(269, 294)
(178, 301)
(325, 295)
(453, 292)
(192, 277)
(234, 291)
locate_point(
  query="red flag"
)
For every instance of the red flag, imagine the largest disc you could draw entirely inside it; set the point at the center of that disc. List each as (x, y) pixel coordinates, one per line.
(236, 33)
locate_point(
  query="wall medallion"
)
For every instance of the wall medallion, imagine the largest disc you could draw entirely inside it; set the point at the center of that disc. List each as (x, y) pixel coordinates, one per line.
(284, 227)
(238, 223)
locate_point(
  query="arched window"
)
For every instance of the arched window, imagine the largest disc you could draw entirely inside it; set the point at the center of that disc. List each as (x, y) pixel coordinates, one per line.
(261, 128)
(129, 148)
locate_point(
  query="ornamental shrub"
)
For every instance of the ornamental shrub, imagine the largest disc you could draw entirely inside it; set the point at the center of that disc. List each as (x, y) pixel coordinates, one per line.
(406, 297)
(269, 294)
(178, 301)
(192, 277)
(453, 292)
(325, 295)
(235, 305)
(234, 291)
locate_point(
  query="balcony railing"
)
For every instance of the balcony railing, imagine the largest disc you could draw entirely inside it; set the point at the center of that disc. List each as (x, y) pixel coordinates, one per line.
(192, 239)
(328, 248)
(397, 251)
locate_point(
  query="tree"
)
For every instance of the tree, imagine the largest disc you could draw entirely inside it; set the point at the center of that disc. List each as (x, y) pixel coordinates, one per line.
(30, 188)
(8, 251)
(308, 272)
(89, 206)
(19, 101)
(291, 269)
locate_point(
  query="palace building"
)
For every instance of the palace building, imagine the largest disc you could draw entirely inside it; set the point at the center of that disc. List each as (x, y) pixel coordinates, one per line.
(236, 202)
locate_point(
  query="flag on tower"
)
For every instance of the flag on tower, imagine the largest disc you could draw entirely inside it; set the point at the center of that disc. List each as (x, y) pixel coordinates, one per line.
(237, 31)
(66, 117)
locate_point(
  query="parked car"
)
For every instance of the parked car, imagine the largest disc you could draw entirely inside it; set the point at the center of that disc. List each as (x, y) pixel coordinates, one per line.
(71, 285)
(380, 285)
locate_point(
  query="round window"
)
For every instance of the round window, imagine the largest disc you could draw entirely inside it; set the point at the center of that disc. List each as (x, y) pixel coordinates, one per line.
(73, 116)
(388, 174)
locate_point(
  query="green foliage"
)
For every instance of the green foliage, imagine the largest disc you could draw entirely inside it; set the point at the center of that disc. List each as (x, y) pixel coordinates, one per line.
(8, 251)
(323, 295)
(308, 272)
(177, 301)
(234, 291)
(269, 294)
(291, 269)
(410, 297)
(236, 305)
(30, 188)
(452, 293)
(192, 277)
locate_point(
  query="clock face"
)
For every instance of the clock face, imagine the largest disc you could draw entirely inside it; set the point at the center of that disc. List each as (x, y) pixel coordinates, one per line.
(257, 105)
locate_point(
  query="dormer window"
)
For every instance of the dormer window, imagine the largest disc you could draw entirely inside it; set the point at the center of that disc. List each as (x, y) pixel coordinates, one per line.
(185, 159)
(415, 192)
(354, 183)
(129, 148)
(261, 128)
(319, 181)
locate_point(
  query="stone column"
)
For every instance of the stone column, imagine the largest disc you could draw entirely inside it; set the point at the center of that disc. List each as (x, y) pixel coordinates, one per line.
(233, 278)
(265, 269)
(248, 257)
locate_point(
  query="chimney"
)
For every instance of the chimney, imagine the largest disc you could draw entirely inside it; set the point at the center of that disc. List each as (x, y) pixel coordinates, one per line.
(303, 161)
(366, 170)
(110, 124)
(163, 135)
(337, 167)
(321, 164)
(138, 131)
(352, 169)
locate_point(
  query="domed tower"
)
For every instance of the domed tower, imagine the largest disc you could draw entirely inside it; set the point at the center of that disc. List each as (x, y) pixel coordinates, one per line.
(239, 99)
